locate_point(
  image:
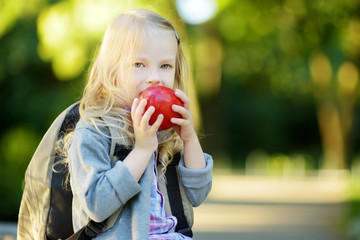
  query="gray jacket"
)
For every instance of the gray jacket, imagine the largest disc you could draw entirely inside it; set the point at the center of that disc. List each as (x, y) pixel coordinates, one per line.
(101, 190)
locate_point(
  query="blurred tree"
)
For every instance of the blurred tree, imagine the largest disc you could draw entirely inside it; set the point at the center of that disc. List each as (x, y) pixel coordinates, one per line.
(30, 96)
(279, 60)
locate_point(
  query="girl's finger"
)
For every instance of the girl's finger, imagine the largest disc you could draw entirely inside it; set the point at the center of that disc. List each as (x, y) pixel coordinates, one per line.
(140, 108)
(157, 123)
(183, 97)
(138, 112)
(179, 121)
(134, 107)
(181, 110)
(147, 115)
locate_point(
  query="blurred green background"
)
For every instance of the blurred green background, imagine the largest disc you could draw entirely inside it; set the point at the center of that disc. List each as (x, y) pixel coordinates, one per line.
(277, 82)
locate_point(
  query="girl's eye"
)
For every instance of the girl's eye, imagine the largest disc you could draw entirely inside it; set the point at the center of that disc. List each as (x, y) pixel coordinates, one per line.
(165, 66)
(139, 65)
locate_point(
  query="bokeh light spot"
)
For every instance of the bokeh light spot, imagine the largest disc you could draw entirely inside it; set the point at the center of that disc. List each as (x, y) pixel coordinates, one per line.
(197, 11)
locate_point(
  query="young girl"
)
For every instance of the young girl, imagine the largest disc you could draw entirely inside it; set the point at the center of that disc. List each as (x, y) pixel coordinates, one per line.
(139, 49)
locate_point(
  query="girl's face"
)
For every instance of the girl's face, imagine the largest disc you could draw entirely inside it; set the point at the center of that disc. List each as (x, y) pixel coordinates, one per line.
(155, 62)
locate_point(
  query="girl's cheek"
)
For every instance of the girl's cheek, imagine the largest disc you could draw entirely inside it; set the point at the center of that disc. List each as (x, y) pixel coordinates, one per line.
(138, 89)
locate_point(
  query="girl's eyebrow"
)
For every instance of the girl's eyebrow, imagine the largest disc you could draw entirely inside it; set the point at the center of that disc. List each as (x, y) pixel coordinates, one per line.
(168, 60)
(140, 58)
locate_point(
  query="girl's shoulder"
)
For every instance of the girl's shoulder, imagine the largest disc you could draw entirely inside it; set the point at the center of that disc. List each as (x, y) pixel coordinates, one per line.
(85, 127)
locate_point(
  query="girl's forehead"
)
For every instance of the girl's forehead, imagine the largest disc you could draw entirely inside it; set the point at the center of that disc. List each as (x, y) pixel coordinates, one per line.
(158, 42)
(157, 32)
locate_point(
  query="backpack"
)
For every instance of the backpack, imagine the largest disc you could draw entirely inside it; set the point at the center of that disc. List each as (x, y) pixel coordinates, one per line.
(46, 205)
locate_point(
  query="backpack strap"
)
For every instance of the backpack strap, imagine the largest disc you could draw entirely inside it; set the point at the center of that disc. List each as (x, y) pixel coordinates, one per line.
(88, 232)
(176, 205)
(59, 224)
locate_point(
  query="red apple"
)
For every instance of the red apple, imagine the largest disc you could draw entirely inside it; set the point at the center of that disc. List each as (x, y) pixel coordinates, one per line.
(162, 98)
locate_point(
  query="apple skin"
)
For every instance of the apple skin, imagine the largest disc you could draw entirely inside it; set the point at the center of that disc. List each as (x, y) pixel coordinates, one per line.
(162, 98)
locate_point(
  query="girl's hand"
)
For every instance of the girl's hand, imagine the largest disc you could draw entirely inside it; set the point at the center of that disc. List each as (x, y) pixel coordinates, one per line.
(193, 154)
(145, 135)
(146, 141)
(185, 125)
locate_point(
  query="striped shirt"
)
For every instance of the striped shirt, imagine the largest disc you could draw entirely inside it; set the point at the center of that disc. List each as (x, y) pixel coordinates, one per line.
(162, 227)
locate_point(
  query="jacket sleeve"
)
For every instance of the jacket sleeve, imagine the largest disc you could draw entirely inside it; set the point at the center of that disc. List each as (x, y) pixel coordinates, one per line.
(100, 188)
(197, 183)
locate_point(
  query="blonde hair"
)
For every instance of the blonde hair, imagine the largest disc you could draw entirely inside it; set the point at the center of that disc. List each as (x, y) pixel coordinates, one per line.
(111, 89)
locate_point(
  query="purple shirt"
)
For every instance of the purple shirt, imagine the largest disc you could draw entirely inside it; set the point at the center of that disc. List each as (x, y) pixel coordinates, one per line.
(161, 226)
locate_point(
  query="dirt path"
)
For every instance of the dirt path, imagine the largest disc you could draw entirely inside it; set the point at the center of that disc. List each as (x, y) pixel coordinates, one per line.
(252, 208)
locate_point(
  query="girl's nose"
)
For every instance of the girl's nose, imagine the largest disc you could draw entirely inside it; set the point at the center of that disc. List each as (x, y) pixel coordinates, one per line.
(153, 81)
(153, 78)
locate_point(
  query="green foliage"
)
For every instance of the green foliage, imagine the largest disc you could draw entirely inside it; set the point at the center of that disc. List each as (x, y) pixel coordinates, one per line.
(31, 97)
(267, 98)
(15, 148)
